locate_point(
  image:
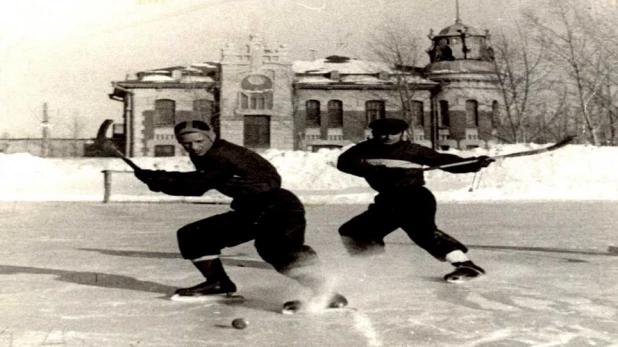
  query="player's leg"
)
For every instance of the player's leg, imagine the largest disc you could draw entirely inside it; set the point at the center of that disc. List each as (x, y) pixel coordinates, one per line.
(364, 234)
(280, 241)
(418, 221)
(201, 243)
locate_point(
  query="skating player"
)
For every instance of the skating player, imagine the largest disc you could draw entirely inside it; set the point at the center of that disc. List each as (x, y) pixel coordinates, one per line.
(261, 211)
(392, 166)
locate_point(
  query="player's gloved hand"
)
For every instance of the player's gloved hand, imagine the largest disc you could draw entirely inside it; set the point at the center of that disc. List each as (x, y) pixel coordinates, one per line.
(147, 175)
(159, 181)
(155, 185)
(485, 161)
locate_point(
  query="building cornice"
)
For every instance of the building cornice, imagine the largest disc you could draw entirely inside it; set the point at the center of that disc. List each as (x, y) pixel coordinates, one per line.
(164, 85)
(423, 86)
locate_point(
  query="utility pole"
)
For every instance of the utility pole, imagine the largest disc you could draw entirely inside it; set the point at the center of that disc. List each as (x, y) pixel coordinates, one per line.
(45, 126)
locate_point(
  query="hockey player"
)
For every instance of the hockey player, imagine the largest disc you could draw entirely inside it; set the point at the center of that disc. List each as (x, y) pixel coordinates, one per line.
(261, 211)
(392, 166)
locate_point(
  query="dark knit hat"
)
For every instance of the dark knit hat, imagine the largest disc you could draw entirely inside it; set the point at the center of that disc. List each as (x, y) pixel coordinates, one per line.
(194, 126)
(388, 126)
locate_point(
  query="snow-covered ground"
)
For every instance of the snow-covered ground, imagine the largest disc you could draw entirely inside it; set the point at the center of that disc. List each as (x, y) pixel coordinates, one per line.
(575, 172)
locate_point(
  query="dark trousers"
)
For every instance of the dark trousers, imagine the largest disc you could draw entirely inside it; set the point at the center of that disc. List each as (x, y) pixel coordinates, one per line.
(411, 208)
(275, 220)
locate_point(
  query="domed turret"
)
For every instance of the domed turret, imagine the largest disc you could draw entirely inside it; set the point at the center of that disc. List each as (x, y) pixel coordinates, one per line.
(462, 61)
(460, 42)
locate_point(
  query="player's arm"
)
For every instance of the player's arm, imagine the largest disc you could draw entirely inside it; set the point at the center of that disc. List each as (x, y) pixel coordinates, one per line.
(194, 183)
(429, 157)
(353, 163)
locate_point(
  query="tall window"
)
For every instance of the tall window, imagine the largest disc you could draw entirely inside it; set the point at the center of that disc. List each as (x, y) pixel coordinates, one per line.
(165, 110)
(257, 131)
(472, 113)
(244, 101)
(203, 109)
(256, 101)
(313, 114)
(375, 110)
(335, 114)
(445, 119)
(416, 109)
(495, 114)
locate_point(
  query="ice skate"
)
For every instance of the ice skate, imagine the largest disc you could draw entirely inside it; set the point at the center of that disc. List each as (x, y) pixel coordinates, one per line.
(464, 272)
(208, 291)
(336, 301)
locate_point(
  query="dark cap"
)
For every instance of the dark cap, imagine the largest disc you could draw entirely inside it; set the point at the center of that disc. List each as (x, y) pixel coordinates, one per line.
(388, 126)
(195, 126)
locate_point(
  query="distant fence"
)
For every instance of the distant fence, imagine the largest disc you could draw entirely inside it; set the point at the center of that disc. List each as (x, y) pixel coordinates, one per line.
(53, 148)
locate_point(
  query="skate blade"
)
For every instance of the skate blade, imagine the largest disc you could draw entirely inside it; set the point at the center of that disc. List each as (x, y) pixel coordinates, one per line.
(318, 311)
(208, 298)
(463, 279)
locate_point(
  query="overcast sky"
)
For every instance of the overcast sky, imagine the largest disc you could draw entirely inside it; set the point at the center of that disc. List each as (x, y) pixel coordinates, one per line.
(67, 52)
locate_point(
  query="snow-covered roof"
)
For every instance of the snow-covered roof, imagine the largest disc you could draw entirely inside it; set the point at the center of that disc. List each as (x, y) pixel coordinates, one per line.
(351, 71)
(156, 78)
(191, 71)
(212, 65)
(351, 66)
(196, 79)
(314, 80)
(361, 79)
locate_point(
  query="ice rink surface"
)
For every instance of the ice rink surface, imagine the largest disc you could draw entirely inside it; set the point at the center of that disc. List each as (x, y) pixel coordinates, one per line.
(91, 274)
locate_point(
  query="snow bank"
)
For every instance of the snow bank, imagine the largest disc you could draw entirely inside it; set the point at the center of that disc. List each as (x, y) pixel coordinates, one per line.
(575, 172)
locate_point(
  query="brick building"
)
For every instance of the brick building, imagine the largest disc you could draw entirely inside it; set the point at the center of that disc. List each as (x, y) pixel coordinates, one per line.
(257, 97)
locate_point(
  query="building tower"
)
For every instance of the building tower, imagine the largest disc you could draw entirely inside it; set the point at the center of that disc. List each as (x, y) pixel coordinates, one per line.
(462, 61)
(255, 95)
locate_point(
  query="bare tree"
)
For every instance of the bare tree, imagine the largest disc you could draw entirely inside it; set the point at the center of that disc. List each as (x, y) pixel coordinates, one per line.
(520, 72)
(581, 48)
(400, 49)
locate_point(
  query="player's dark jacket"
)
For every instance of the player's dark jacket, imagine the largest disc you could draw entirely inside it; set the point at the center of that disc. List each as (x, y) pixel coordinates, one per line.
(381, 178)
(232, 170)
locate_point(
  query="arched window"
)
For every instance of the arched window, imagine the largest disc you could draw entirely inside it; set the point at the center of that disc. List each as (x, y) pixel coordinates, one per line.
(257, 93)
(165, 111)
(375, 110)
(472, 113)
(445, 120)
(313, 114)
(416, 110)
(335, 114)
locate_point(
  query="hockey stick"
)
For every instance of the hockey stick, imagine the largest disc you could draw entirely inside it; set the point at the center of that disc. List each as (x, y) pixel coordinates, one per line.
(106, 145)
(565, 141)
